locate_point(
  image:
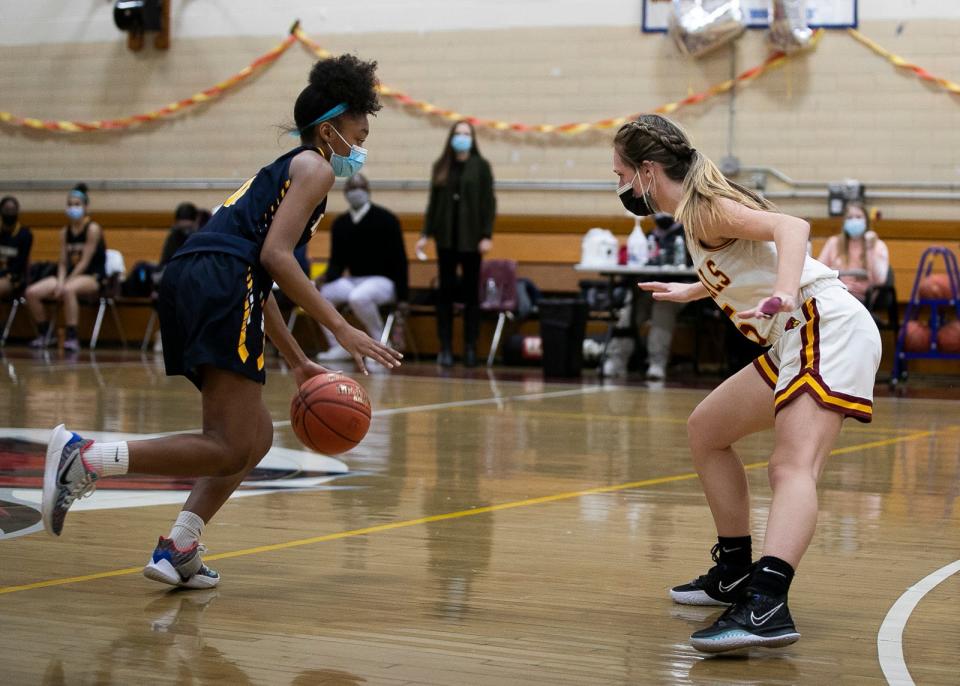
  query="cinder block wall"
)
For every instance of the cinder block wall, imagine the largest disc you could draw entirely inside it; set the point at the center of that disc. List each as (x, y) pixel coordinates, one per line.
(839, 111)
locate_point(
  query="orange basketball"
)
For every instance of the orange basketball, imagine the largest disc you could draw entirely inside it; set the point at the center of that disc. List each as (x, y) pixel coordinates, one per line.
(935, 287)
(948, 338)
(330, 413)
(917, 339)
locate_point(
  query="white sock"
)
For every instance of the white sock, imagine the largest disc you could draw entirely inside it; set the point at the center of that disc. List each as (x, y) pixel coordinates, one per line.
(108, 459)
(187, 530)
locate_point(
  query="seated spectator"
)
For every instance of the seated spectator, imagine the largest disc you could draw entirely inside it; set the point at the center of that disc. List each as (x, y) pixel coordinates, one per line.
(642, 308)
(857, 253)
(367, 242)
(185, 222)
(15, 243)
(662, 314)
(82, 265)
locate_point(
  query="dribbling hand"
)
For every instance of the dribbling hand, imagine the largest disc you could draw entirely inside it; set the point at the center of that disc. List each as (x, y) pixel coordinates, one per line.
(307, 370)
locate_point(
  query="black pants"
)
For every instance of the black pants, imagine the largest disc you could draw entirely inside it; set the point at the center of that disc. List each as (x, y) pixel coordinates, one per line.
(467, 292)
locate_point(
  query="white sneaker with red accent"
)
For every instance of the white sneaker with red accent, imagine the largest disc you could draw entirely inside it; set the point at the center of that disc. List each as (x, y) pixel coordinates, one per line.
(66, 477)
(182, 568)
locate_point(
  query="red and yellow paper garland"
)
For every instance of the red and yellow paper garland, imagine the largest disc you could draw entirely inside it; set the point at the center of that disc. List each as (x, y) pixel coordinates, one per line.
(898, 61)
(173, 108)
(399, 97)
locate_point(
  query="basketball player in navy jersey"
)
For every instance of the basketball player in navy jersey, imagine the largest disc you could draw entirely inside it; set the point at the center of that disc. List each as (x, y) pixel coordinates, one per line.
(216, 305)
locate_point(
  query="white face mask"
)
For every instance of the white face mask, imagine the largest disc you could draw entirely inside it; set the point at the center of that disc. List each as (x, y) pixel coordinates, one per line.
(357, 197)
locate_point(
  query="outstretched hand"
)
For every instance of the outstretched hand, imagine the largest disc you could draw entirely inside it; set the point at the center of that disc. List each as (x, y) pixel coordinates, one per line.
(360, 345)
(673, 292)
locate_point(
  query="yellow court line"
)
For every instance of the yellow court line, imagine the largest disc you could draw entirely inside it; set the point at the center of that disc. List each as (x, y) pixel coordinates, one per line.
(439, 518)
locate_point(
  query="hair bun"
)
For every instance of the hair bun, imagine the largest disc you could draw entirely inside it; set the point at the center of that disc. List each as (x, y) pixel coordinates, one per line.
(82, 187)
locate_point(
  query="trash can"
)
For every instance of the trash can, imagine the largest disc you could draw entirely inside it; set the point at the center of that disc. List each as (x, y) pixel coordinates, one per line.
(563, 325)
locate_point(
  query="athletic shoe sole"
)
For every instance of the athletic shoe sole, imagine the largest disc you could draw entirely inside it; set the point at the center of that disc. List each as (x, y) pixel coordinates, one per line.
(695, 598)
(165, 573)
(58, 439)
(737, 639)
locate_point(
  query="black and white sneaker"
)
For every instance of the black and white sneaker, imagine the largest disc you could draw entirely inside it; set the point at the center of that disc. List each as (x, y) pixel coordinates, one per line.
(756, 620)
(721, 585)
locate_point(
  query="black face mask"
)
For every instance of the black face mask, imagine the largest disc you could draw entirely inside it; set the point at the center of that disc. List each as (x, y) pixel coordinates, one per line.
(642, 206)
(637, 206)
(9, 218)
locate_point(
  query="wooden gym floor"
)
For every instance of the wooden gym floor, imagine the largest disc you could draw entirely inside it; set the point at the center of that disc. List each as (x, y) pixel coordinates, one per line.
(489, 531)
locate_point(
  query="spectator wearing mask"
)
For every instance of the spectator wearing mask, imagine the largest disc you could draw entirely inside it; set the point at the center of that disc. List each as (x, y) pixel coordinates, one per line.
(15, 243)
(459, 218)
(82, 265)
(367, 243)
(857, 253)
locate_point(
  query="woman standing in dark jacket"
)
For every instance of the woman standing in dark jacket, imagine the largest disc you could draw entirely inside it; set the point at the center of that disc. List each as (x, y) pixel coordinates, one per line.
(460, 219)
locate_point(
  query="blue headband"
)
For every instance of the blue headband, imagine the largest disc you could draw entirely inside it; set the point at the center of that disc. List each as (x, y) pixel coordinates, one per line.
(78, 194)
(329, 114)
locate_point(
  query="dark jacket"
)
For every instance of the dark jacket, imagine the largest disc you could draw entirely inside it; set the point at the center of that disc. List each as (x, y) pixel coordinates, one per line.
(374, 247)
(477, 208)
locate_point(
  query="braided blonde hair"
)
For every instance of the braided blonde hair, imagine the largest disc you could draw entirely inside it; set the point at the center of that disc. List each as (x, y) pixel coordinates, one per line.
(657, 139)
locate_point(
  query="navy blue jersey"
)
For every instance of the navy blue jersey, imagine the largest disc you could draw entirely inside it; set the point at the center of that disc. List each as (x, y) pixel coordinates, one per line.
(239, 227)
(75, 243)
(15, 252)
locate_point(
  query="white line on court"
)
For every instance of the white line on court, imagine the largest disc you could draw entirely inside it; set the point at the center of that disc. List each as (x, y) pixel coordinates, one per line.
(890, 637)
(480, 401)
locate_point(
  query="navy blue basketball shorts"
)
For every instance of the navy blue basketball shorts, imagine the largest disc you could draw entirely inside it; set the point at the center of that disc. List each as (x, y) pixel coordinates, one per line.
(211, 313)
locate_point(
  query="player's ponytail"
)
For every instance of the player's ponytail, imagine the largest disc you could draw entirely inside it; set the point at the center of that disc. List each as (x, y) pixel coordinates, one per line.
(703, 185)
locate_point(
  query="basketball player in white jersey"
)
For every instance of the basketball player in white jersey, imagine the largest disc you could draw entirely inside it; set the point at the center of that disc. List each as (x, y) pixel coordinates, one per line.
(820, 369)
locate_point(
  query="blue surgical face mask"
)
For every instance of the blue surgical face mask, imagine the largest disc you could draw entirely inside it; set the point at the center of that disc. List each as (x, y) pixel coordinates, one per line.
(76, 212)
(854, 226)
(344, 167)
(461, 142)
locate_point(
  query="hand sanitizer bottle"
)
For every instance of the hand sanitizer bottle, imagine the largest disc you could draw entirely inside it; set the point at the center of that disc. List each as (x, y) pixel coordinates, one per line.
(636, 246)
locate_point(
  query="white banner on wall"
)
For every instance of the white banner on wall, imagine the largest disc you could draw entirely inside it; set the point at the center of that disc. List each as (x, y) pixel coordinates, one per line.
(826, 14)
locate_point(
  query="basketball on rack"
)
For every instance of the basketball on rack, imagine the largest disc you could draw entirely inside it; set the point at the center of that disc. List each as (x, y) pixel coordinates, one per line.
(330, 413)
(935, 287)
(917, 338)
(948, 338)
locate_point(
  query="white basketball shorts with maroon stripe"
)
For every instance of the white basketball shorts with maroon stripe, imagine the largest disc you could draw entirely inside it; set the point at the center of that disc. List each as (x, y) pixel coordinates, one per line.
(830, 350)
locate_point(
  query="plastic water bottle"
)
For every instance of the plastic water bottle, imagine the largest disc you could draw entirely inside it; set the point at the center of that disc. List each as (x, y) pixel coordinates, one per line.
(491, 295)
(636, 246)
(679, 252)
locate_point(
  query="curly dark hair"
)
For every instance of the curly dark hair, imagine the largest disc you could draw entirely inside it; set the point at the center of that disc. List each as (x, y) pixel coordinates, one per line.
(344, 79)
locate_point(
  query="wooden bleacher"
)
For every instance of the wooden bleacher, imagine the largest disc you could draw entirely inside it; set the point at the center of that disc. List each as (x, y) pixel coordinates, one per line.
(545, 247)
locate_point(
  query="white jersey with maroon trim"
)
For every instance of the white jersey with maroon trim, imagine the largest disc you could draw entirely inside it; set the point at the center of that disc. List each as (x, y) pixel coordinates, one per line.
(740, 273)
